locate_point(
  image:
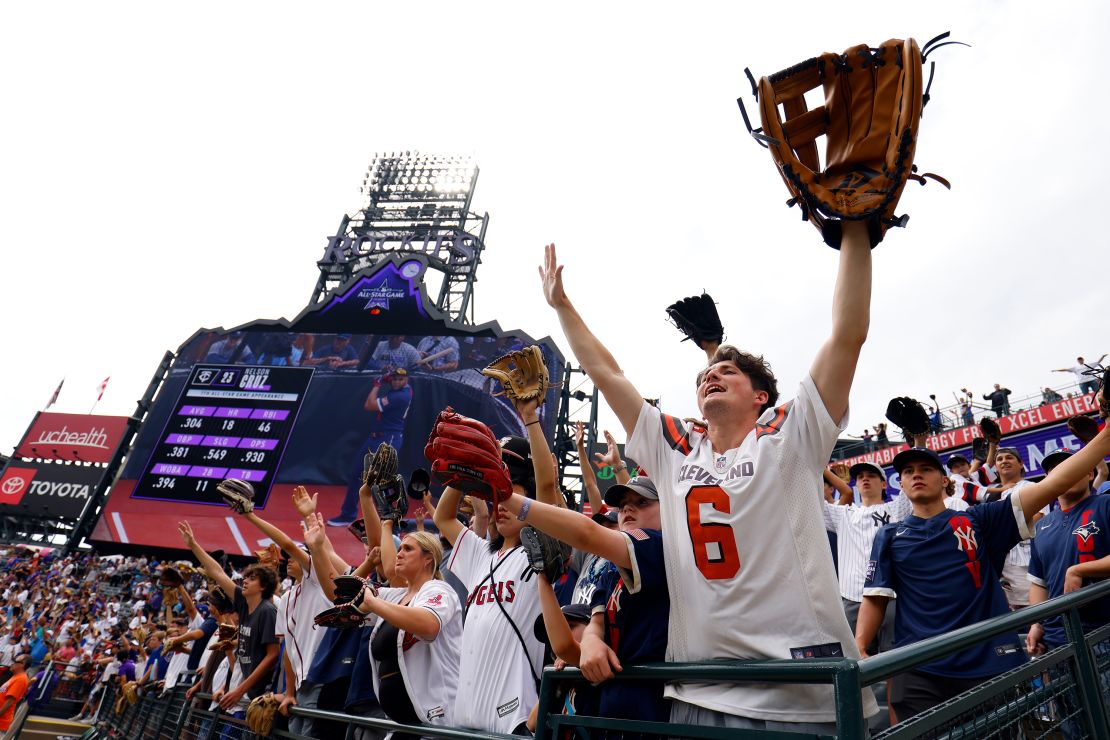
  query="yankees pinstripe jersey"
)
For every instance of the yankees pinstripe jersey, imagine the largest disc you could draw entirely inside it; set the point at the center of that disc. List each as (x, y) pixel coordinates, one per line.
(748, 566)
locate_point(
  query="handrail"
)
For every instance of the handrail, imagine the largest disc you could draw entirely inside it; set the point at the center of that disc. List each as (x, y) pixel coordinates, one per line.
(885, 665)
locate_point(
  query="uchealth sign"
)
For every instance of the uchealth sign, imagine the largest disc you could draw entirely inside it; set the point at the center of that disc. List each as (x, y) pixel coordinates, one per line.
(48, 489)
(73, 437)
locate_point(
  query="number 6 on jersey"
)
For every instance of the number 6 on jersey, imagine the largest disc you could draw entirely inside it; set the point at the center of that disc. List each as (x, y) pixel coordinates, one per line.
(714, 543)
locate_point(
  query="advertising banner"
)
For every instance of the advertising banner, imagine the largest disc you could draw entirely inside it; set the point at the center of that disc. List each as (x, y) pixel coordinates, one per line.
(54, 490)
(73, 437)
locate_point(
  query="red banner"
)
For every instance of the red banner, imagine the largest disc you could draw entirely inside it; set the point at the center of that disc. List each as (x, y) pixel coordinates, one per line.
(80, 437)
(15, 482)
(1030, 419)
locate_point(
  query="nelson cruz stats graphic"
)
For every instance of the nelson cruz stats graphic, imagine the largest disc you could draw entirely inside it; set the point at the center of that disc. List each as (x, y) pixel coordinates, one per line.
(230, 421)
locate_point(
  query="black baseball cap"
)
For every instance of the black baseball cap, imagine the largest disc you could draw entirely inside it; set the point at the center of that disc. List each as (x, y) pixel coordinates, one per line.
(516, 453)
(916, 454)
(1011, 451)
(956, 460)
(573, 612)
(640, 484)
(1053, 459)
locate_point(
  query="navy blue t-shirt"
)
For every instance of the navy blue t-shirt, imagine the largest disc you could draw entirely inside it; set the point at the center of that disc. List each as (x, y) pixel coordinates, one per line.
(198, 648)
(1066, 538)
(944, 572)
(637, 613)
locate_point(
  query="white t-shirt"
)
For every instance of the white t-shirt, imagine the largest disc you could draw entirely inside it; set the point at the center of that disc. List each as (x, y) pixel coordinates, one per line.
(497, 688)
(296, 611)
(219, 678)
(855, 527)
(762, 586)
(430, 669)
(179, 662)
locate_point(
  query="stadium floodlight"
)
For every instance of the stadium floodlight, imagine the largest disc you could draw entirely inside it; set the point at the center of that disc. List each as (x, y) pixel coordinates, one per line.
(413, 175)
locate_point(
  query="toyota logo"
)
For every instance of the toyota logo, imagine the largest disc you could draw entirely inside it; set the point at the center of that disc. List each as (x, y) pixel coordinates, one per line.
(12, 485)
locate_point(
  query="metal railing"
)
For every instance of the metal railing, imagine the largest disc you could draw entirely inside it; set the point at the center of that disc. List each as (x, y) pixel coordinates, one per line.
(1062, 694)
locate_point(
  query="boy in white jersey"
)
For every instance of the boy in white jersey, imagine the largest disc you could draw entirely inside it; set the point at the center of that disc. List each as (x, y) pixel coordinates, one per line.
(748, 567)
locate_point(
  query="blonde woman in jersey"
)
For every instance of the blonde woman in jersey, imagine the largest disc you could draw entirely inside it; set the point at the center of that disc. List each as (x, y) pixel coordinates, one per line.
(414, 646)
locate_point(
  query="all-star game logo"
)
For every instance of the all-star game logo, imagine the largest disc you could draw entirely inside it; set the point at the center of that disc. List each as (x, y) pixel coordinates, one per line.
(379, 296)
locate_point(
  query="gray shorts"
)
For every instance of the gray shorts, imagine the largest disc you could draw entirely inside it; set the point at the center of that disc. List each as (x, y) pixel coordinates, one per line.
(884, 640)
(692, 714)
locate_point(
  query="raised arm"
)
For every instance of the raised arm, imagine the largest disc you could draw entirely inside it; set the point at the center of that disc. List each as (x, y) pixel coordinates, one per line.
(589, 479)
(316, 537)
(389, 551)
(543, 466)
(835, 365)
(598, 363)
(1036, 496)
(306, 507)
(446, 515)
(284, 541)
(187, 602)
(574, 529)
(612, 458)
(844, 491)
(211, 568)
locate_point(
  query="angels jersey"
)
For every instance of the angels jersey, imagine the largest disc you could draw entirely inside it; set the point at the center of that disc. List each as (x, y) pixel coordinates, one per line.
(497, 679)
(748, 565)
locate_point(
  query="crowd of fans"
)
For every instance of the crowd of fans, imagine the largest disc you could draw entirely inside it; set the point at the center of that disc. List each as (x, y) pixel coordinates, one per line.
(454, 627)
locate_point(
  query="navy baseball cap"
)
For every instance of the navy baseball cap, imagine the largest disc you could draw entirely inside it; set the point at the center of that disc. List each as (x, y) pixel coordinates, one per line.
(869, 467)
(1053, 459)
(641, 485)
(916, 454)
(612, 516)
(956, 460)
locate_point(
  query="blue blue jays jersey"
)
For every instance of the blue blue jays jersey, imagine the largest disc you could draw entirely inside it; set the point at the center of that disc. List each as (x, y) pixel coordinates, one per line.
(1066, 538)
(637, 610)
(944, 572)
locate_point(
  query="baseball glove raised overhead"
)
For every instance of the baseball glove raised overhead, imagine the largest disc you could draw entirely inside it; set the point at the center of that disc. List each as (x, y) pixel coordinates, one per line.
(697, 318)
(390, 499)
(238, 494)
(380, 467)
(349, 592)
(990, 430)
(522, 374)
(465, 455)
(260, 714)
(873, 98)
(1084, 427)
(908, 414)
(546, 555)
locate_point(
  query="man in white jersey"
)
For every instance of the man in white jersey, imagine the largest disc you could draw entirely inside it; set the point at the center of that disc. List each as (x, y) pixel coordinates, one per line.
(501, 660)
(748, 566)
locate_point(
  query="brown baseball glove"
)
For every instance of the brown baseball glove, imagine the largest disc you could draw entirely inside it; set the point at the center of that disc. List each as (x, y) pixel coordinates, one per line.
(873, 102)
(260, 714)
(522, 374)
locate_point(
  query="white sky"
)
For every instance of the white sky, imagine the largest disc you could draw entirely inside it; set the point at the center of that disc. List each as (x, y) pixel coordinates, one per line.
(167, 167)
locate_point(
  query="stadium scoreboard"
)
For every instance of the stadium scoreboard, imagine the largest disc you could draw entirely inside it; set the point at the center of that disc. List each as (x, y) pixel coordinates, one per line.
(230, 421)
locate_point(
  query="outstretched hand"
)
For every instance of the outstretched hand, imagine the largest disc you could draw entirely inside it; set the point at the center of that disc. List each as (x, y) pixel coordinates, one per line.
(186, 533)
(305, 504)
(551, 275)
(612, 456)
(314, 530)
(579, 433)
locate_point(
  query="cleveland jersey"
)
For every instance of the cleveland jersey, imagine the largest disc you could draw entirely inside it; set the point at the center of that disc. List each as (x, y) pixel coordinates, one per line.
(1066, 538)
(747, 558)
(497, 677)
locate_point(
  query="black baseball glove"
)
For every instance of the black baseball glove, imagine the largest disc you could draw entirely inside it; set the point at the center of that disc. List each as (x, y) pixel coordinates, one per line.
(907, 414)
(697, 318)
(990, 429)
(546, 555)
(381, 466)
(390, 499)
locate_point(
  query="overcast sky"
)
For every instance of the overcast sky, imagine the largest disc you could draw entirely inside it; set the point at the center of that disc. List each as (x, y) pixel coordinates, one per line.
(169, 167)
